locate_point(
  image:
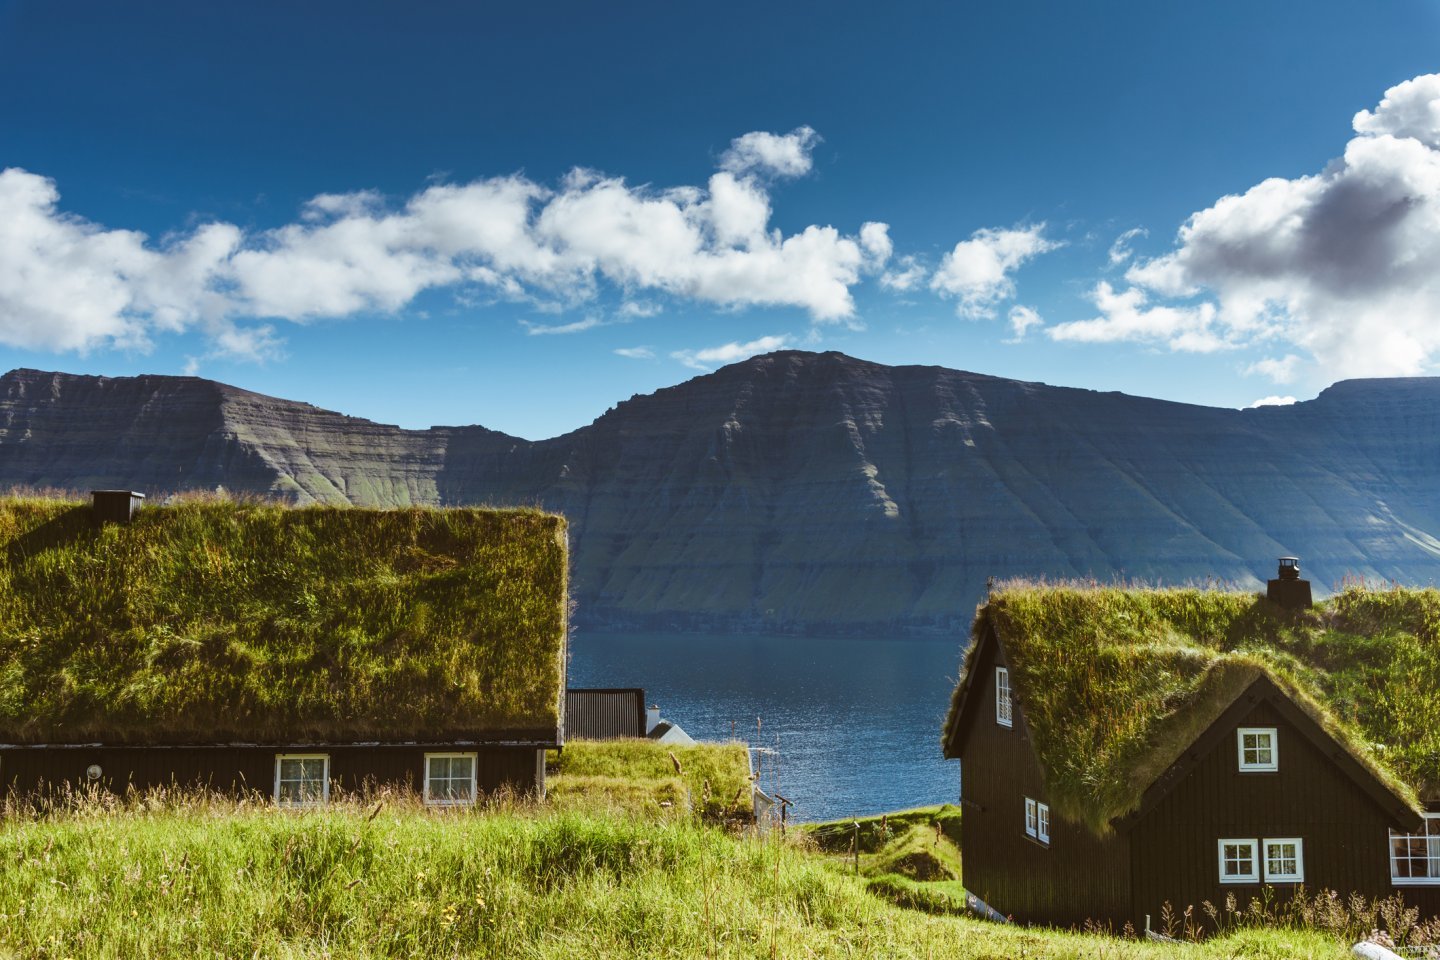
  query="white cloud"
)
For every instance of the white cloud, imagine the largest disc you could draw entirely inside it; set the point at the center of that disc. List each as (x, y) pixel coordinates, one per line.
(977, 272)
(786, 155)
(551, 329)
(1272, 402)
(876, 242)
(709, 357)
(635, 353)
(1022, 318)
(1120, 250)
(1343, 264)
(1127, 315)
(1410, 109)
(640, 308)
(908, 275)
(67, 284)
(1281, 370)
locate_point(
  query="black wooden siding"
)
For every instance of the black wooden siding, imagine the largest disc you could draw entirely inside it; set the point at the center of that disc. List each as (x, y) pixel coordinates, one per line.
(230, 769)
(604, 714)
(1346, 834)
(1078, 877)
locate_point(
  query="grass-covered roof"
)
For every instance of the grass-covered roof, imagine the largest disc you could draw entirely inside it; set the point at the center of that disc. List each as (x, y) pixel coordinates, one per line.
(216, 621)
(1115, 683)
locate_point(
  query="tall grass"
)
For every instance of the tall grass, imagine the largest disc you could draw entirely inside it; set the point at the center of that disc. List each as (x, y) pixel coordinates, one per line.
(219, 620)
(710, 780)
(204, 878)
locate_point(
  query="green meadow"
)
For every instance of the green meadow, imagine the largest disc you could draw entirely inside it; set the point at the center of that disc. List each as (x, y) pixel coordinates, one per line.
(189, 877)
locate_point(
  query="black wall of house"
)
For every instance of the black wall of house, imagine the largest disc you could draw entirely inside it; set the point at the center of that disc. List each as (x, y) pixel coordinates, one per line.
(1078, 877)
(1174, 845)
(604, 714)
(237, 769)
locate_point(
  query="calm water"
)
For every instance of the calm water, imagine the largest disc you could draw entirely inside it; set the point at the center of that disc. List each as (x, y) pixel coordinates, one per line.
(855, 723)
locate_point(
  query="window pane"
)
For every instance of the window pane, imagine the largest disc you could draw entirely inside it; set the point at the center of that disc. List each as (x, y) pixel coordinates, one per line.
(1237, 860)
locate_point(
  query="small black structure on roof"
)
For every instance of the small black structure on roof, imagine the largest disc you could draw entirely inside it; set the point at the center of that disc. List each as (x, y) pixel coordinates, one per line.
(115, 506)
(1287, 589)
(604, 713)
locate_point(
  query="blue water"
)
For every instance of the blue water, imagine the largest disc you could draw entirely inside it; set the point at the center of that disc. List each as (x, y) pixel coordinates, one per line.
(854, 724)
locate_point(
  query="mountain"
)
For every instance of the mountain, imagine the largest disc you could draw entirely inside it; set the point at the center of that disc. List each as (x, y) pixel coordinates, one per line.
(804, 491)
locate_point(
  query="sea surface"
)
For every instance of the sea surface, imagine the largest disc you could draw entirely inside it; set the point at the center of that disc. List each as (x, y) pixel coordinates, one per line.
(848, 727)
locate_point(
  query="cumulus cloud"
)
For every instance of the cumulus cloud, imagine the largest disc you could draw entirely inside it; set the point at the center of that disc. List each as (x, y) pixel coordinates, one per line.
(1343, 264)
(977, 272)
(908, 275)
(68, 284)
(1022, 318)
(635, 353)
(779, 155)
(1272, 402)
(711, 357)
(1128, 315)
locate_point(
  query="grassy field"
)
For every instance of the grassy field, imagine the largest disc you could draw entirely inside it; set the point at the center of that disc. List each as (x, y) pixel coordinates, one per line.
(643, 777)
(911, 858)
(192, 878)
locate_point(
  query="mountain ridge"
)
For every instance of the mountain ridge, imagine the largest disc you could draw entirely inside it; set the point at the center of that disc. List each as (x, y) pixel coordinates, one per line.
(815, 492)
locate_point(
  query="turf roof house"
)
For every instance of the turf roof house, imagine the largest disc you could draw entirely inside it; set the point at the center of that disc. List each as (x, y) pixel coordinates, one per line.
(1121, 749)
(294, 652)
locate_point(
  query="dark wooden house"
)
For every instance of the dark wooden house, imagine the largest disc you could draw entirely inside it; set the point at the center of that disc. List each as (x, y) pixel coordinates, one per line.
(297, 653)
(1125, 749)
(605, 713)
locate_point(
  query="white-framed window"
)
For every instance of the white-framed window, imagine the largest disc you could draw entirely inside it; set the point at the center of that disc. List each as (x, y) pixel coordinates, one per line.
(1415, 857)
(1037, 820)
(302, 779)
(1284, 860)
(1004, 703)
(1259, 749)
(1239, 862)
(450, 779)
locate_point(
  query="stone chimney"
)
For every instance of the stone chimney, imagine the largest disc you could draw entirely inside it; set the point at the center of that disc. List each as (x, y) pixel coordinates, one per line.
(1287, 589)
(652, 718)
(115, 506)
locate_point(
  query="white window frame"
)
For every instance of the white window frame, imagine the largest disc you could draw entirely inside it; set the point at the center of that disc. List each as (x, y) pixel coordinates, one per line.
(1298, 876)
(1043, 832)
(1258, 766)
(1032, 818)
(448, 802)
(1004, 698)
(1431, 838)
(280, 758)
(1254, 875)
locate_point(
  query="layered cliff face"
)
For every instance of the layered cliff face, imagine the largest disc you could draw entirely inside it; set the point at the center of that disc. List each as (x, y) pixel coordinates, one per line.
(815, 491)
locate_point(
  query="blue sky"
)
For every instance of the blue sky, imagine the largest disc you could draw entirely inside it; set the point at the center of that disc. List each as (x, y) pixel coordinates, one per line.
(455, 213)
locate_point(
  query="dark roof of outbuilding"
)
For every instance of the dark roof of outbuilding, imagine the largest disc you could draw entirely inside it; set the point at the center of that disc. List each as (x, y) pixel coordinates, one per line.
(1115, 684)
(215, 621)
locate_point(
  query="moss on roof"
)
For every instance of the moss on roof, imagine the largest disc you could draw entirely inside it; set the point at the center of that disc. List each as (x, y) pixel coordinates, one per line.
(1115, 683)
(215, 621)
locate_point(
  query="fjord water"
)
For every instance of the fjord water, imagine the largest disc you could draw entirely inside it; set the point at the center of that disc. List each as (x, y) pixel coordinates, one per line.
(855, 723)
